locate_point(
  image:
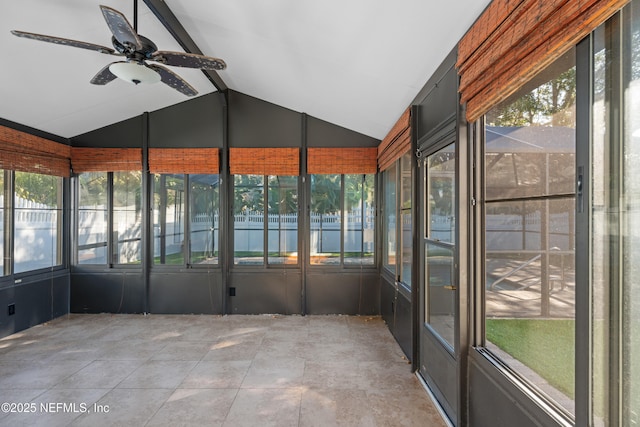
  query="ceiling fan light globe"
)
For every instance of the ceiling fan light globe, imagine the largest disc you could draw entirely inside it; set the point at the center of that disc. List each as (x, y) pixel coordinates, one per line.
(134, 73)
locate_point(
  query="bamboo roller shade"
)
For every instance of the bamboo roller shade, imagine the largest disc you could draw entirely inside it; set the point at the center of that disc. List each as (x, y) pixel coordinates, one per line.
(360, 160)
(24, 152)
(264, 161)
(89, 159)
(513, 40)
(184, 160)
(396, 143)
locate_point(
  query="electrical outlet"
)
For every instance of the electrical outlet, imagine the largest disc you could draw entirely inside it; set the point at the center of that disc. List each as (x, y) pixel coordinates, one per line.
(11, 309)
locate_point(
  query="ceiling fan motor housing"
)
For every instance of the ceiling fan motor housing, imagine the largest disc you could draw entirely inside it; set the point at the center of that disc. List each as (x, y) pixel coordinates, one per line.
(129, 50)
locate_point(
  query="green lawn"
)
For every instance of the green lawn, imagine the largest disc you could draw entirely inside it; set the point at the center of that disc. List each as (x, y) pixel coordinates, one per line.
(544, 345)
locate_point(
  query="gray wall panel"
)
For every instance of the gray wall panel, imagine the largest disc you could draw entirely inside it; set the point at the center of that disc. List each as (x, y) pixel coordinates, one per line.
(342, 293)
(396, 311)
(195, 123)
(370, 295)
(325, 134)
(276, 291)
(387, 302)
(186, 292)
(487, 386)
(113, 292)
(36, 301)
(257, 123)
(438, 368)
(438, 100)
(125, 134)
(60, 293)
(403, 329)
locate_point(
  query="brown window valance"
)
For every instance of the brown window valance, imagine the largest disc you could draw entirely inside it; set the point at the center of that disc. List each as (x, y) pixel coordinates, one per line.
(513, 40)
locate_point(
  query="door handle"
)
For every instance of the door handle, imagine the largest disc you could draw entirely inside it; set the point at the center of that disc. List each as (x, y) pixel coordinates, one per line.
(450, 287)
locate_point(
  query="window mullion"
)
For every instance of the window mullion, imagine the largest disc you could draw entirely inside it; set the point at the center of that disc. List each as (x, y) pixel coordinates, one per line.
(111, 242)
(398, 211)
(342, 218)
(186, 246)
(362, 217)
(9, 194)
(265, 221)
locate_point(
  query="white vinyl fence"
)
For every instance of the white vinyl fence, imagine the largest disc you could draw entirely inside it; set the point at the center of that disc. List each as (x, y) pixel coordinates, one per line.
(36, 227)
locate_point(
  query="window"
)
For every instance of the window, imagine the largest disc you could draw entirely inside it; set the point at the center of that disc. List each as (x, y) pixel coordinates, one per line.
(92, 218)
(3, 230)
(326, 214)
(359, 219)
(283, 219)
(390, 207)
(175, 198)
(204, 244)
(342, 218)
(615, 220)
(397, 242)
(248, 219)
(127, 217)
(440, 243)
(406, 231)
(631, 219)
(109, 221)
(279, 246)
(38, 221)
(529, 231)
(168, 219)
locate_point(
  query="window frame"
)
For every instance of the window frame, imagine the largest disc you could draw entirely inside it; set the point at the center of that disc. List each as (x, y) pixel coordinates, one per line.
(342, 232)
(111, 244)
(186, 227)
(540, 397)
(265, 264)
(7, 270)
(402, 171)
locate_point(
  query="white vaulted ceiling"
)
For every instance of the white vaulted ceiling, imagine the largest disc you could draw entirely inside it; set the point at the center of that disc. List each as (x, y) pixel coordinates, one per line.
(355, 63)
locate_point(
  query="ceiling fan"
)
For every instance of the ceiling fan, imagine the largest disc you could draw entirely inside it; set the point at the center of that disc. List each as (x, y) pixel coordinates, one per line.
(137, 50)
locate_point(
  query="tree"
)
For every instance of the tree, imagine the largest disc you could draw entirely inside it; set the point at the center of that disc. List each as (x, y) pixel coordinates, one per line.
(325, 194)
(248, 194)
(551, 103)
(283, 195)
(38, 188)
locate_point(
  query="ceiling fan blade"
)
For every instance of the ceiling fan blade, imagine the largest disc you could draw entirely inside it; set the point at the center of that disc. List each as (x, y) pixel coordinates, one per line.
(120, 28)
(188, 60)
(104, 76)
(170, 78)
(64, 42)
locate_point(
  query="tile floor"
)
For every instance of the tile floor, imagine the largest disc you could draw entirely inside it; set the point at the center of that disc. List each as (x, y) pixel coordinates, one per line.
(156, 370)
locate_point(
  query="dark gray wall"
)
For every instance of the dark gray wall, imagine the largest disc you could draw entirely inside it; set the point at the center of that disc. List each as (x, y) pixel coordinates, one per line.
(38, 299)
(396, 310)
(198, 123)
(125, 134)
(439, 369)
(438, 100)
(325, 134)
(186, 291)
(487, 386)
(354, 293)
(259, 292)
(202, 122)
(107, 292)
(257, 123)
